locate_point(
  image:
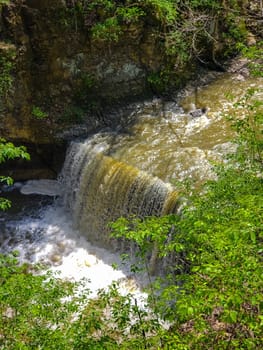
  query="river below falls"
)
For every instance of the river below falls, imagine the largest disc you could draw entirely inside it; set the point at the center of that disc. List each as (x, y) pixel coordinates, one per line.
(165, 141)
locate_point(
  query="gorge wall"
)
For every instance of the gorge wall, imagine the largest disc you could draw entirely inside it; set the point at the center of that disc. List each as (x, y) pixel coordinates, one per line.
(55, 63)
(55, 74)
(61, 74)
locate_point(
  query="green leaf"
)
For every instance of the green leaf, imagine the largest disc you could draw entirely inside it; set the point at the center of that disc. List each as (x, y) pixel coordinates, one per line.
(233, 315)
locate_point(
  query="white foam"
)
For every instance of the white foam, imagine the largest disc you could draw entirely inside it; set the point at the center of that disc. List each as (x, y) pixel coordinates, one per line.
(43, 187)
(51, 240)
(195, 125)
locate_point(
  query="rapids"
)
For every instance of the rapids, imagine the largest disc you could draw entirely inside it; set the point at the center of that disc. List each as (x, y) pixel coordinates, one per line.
(63, 223)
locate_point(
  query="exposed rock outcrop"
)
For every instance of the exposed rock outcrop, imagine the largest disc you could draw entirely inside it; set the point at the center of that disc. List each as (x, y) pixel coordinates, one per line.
(57, 69)
(54, 63)
(53, 73)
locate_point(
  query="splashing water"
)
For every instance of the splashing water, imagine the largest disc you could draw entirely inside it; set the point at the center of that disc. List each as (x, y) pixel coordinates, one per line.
(113, 174)
(49, 239)
(99, 189)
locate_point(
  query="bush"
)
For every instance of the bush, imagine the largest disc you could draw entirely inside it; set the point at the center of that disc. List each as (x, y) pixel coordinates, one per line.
(212, 292)
(9, 151)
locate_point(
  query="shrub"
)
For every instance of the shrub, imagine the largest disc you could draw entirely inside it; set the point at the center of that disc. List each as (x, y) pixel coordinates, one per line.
(212, 291)
(9, 151)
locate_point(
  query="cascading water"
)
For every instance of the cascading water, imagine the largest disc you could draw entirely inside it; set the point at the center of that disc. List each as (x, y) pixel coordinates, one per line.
(99, 189)
(113, 174)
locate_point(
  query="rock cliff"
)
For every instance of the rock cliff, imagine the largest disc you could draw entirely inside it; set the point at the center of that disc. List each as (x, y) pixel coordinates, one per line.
(53, 73)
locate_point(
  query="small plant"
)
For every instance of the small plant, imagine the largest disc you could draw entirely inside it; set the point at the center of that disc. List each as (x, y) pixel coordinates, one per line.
(129, 15)
(249, 129)
(9, 151)
(38, 113)
(109, 30)
(255, 54)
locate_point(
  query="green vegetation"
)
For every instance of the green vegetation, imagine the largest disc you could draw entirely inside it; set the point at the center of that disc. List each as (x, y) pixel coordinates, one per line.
(9, 151)
(7, 55)
(38, 113)
(249, 129)
(4, 2)
(32, 311)
(41, 312)
(255, 54)
(187, 32)
(212, 295)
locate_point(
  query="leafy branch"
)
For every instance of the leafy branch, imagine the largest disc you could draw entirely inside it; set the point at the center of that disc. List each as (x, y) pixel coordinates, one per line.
(9, 151)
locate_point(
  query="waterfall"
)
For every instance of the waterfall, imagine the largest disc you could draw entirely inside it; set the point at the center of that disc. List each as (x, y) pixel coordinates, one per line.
(98, 189)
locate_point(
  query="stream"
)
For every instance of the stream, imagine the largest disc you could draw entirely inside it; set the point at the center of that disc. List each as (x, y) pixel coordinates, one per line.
(62, 224)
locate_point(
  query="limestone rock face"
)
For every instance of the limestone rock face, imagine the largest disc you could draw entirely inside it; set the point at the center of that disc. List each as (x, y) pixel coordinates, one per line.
(53, 74)
(55, 60)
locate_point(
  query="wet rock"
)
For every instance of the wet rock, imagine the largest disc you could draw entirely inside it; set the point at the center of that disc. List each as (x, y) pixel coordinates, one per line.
(62, 246)
(56, 258)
